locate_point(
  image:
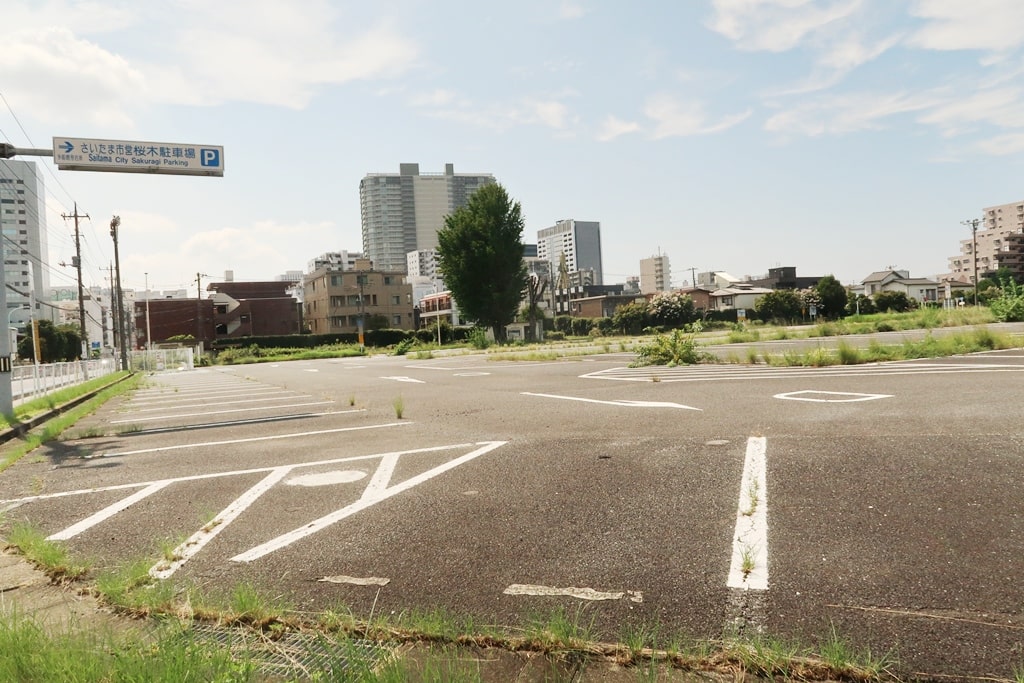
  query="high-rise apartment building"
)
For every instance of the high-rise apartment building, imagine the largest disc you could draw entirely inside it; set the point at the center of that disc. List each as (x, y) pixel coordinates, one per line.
(403, 212)
(23, 221)
(655, 274)
(578, 241)
(999, 244)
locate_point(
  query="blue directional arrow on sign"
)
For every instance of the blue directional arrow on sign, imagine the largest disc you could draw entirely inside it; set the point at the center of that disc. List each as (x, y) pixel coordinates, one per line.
(68, 147)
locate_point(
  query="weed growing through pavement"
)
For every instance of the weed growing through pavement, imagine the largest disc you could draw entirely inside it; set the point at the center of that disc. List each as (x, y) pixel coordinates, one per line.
(753, 497)
(747, 560)
(399, 406)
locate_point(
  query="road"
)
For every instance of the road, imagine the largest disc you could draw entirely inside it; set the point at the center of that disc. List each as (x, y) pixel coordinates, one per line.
(880, 501)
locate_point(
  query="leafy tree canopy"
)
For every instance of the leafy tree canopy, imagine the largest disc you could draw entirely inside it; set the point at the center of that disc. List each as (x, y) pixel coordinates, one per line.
(779, 304)
(480, 253)
(672, 309)
(832, 295)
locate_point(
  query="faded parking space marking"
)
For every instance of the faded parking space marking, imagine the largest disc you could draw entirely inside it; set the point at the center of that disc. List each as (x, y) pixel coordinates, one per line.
(572, 592)
(829, 396)
(174, 416)
(622, 403)
(377, 490)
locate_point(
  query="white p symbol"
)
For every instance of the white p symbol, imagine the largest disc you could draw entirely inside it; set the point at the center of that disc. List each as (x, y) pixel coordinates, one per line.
(209, 157)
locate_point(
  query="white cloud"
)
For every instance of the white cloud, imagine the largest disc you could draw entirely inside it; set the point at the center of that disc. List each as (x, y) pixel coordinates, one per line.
(261, 51)
(776, 25)
(571, 10)
(1000, 107)
(846, 113)
(673, 118)
(435, 98)
(614, 127)
(989, 25)
(548, 112)
(60, 77)
(1003, 145)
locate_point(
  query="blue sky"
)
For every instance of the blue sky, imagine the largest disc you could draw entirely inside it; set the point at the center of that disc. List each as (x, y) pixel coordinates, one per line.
(837, 136)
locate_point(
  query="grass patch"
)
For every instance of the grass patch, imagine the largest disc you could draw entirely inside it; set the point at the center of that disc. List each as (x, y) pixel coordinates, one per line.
(399, 405)
(51, 557)
(53, 428)
(174, 653)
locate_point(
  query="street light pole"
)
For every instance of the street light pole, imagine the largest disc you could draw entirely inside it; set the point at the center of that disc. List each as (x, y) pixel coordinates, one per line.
(974, 252)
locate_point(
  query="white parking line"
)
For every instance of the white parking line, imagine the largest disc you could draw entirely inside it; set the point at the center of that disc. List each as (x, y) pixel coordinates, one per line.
(107, 512)
(624, 403)
(749, 567)
(294, 435)
(374, 493)
(174, 416)
(184, 552)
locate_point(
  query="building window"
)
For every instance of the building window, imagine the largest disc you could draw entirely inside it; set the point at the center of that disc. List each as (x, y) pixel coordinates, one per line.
(396, 300)
(396, 320)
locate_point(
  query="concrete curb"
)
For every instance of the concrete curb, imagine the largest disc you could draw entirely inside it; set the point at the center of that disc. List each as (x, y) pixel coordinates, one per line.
(23, 428)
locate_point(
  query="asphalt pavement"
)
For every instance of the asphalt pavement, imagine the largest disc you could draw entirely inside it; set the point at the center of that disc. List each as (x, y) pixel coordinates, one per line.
(878, 502)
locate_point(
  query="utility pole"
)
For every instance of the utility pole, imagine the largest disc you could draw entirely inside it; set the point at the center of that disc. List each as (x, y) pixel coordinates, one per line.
(149, 338)
(81, 292)
(115, 222)
(974, 252)
(693, 276)
(199, 307)
(113, 309)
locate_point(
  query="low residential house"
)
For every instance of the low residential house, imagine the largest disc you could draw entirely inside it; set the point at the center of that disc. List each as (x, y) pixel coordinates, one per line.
(439, 305)
(919, 288)
(701, 296)
(565, 296)
(603, 306)
(737, 295)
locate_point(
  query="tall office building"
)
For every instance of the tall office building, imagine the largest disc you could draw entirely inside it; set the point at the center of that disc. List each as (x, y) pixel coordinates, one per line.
(403, 212)
(655, 274)
(23, 220)
(579, 241)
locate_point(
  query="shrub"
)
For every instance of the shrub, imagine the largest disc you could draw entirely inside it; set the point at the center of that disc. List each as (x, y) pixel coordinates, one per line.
(676, 348)
(555, 335)
(477, 337)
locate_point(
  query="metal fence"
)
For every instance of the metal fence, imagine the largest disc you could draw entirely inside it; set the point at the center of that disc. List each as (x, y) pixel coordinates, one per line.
(159, 360)
(32, 381)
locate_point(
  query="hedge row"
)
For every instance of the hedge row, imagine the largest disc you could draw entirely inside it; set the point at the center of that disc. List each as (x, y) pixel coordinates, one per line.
(374, 338)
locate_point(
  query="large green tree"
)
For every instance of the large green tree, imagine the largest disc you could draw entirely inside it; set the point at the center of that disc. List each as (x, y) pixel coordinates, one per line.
(56, 343)
(480, 250)
(833, 297)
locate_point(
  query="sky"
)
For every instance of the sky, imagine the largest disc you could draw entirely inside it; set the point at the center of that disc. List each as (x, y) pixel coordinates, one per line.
(838, 136)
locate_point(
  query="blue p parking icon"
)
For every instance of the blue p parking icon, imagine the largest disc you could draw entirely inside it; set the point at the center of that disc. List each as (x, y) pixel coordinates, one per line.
(209, 157)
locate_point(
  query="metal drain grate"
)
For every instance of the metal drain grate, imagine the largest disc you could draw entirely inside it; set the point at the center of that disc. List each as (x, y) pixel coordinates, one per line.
(295, 653)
